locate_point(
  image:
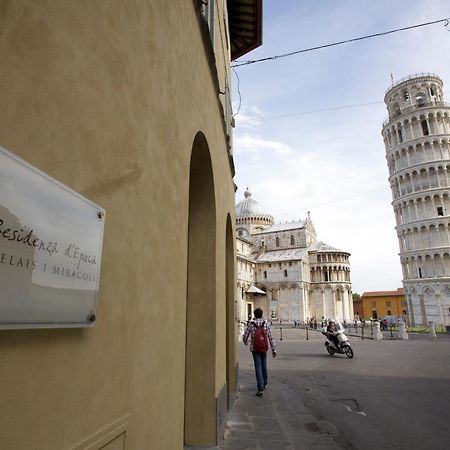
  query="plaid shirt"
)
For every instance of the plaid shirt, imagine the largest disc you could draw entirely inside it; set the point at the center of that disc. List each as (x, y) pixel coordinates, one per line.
(250, 332)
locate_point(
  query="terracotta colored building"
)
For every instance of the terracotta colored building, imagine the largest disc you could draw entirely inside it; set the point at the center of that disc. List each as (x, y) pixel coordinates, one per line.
(378, 304)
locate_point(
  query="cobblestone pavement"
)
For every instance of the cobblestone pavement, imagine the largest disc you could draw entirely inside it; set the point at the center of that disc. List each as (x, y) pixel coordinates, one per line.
(278, 420)
(316, 402)
(274, 422)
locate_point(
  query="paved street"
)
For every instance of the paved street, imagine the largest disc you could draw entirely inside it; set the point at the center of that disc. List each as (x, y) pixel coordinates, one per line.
(392, 395)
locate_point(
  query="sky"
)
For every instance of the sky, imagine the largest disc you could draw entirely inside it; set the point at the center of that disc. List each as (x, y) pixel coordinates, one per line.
(299, 150)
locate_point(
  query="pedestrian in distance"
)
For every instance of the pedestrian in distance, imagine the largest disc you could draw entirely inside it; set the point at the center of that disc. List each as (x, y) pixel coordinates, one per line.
(260, 335)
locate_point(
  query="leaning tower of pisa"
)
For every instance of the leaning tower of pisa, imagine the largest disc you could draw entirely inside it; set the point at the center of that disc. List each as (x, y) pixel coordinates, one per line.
(417, 135)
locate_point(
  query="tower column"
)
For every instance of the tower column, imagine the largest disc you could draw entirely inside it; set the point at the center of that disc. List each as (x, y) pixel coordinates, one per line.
(334, 306)
(410, 311)
(323, 303)
(415, 210)
(422, 310)
(428, 124)
(345, 305)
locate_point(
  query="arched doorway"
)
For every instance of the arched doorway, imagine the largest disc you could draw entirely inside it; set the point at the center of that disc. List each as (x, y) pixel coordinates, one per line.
(200, 402)
(231, 325)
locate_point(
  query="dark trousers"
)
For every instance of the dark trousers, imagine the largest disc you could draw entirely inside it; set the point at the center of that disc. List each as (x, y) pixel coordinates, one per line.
(260, 361)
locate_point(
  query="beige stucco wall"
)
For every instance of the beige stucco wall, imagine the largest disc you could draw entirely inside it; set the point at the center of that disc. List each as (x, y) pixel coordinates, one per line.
(107, 97)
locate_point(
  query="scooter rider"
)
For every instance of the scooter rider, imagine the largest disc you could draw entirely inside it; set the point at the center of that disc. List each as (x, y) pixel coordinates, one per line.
(331, 332)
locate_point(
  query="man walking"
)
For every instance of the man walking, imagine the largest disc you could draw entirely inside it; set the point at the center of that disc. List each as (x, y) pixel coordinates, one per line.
(260, 336)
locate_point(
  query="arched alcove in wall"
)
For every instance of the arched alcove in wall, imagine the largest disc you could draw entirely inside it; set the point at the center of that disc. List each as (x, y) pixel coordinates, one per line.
(231, 325)
(200, 367)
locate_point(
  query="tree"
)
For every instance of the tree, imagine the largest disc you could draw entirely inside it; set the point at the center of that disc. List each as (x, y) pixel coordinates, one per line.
(356, 296)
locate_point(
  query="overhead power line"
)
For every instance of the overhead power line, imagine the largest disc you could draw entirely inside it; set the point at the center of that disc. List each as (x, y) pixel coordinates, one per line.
(445, 21)
(311, 111)
(359, 194)
(239, 93)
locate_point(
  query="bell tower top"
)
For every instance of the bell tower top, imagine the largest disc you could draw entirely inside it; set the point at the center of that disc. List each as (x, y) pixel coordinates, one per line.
(413, 92)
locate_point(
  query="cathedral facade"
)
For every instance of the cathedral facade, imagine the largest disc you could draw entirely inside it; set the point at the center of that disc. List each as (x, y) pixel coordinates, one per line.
(283, 269)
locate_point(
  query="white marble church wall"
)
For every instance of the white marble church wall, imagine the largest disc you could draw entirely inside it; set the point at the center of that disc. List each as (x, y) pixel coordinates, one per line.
(429, 302)
(337, 305)
(317, 304)
(283, 304)
(295, 303)
(339, 310)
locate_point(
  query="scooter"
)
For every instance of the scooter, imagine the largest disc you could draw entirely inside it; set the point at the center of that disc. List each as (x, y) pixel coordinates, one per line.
(344, 347)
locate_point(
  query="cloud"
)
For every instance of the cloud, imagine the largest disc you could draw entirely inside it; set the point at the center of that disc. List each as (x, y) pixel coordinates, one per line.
(257, 145)
(331, 176)
(250, 117)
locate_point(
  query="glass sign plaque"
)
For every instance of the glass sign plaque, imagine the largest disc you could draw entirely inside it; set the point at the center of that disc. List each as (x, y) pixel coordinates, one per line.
(50, 250)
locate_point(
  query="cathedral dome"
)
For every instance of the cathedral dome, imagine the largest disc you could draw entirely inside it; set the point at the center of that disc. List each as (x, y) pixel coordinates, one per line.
(249, 207)
(250, 211)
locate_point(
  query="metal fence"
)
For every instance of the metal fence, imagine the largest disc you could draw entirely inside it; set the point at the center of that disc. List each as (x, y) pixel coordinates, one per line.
(363, 330)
